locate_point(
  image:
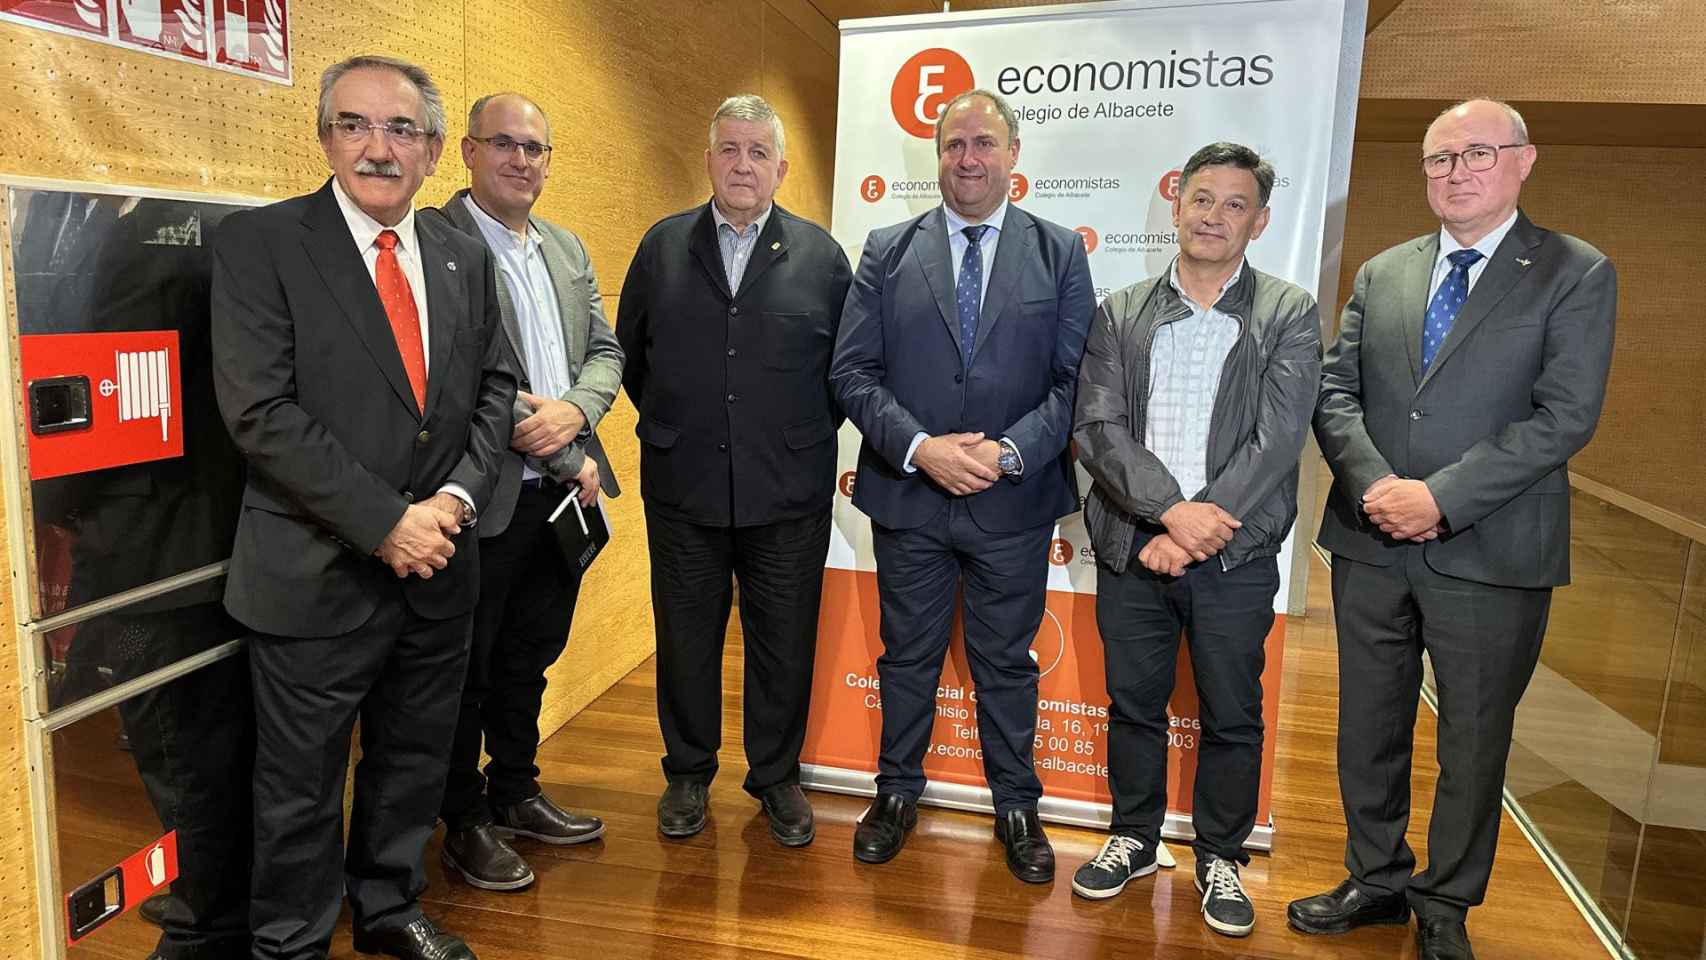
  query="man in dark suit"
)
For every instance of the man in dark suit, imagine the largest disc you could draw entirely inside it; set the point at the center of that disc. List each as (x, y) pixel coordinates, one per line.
(1470, 365)
(958, 361)
(358, 369)
(554, 333)
(727, 319)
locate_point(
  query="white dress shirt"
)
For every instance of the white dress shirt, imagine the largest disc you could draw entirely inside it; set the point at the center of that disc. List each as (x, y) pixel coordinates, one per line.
(1448, 245)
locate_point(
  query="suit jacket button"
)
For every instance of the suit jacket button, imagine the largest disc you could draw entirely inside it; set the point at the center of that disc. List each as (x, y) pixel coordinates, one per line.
(1415, 414)
(733, 398)
(959, 378)
(731, 351)
(723, 447)
(409, 496)
(733, 310)
(422, 437)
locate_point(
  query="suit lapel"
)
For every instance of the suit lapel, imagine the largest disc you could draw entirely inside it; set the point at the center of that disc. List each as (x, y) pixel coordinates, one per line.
(1012, 248)
(333, 252)
(562, 272)
(443, 306)
(1501, 274)
(456, 211)
(930, 246)
(1413, 299)
(703, 246)
(771, 246)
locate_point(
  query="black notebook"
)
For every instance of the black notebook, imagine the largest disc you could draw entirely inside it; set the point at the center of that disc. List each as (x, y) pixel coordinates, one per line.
(581, 531)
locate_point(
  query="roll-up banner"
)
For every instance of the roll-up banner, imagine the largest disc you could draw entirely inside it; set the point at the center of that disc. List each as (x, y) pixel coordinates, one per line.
(1112, 98)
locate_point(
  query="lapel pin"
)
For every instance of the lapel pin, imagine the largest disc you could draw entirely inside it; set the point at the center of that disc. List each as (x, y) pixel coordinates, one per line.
(777, 245)
(1524, 262)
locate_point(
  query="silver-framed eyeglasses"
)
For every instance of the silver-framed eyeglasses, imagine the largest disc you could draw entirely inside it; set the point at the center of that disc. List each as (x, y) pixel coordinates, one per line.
(532, 149)
(355, 129)
(1477, 157)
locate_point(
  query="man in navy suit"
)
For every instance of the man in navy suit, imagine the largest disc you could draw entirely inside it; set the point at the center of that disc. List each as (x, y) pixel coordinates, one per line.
(958, 360)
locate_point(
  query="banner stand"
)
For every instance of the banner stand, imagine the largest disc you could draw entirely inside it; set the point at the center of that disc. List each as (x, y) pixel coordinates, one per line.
(959, 796)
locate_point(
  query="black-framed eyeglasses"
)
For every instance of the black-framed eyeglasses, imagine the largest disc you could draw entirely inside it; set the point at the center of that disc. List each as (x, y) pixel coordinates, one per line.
(532, 149)
(1477, 157)
(353, 130)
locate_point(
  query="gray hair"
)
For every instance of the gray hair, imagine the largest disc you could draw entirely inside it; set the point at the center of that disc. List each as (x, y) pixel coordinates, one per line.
(752, 107)
(1001, 107)
(1519, 126)
(431, 100)
(480, 107)
(1224, 154)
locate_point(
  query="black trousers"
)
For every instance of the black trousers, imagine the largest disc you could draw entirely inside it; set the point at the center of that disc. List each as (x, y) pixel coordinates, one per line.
(1225, 616)
(402, 674)
(780, 569)
(527, 601)
(1483, 642)
(920, 575)
(193, 741)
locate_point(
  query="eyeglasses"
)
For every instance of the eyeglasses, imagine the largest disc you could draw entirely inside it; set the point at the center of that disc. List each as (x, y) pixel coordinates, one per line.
(534, 150)
(1476, 158)
(354, 130)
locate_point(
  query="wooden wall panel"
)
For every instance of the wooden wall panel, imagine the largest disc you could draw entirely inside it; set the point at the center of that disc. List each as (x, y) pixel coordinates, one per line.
(1630, 203)
(1566, 50)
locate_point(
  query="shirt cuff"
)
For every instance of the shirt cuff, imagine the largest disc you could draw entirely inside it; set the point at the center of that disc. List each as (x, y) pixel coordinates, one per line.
(912, 449)
(1010, 445)
(461, 493)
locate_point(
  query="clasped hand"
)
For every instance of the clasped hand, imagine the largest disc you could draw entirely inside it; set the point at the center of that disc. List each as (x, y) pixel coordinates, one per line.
(960, 463)
(420, 542)
(554, 425)
(1403, 509)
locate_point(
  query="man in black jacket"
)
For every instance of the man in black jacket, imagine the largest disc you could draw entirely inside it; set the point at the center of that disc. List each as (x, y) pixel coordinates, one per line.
(1194, 400)
(727, 319)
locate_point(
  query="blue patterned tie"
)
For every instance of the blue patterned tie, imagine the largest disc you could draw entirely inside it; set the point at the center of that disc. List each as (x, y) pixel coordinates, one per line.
(1448, 299)
(968, 291)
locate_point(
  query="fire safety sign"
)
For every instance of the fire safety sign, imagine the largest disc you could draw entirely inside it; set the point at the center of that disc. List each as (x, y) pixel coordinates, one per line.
(98, 400)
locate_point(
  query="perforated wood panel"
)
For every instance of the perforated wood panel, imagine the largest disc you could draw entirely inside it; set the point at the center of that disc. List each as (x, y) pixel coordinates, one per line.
(1590, 50)
(1631, 203)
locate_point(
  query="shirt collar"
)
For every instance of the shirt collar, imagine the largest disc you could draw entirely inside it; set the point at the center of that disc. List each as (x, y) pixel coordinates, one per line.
(1173, 278)
(756, 225)
(364, 228)
(957, 223)
(494, 229)
(1487, 245)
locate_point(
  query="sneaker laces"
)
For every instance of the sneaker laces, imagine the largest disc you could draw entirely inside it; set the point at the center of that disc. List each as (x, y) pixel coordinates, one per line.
(1222, 882)
(1116, 853)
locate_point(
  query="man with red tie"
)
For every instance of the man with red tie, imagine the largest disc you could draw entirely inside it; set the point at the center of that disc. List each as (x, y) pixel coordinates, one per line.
(358, 373)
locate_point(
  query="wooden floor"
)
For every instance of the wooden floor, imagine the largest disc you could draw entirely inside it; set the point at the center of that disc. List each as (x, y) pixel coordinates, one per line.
(733, 892)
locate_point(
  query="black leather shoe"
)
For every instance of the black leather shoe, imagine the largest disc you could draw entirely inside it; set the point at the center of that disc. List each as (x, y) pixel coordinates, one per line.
(790, 815)
(1439, 939)
(419, 940)
(681, 809)
(1344, 908)
(540, 819)
(484, 860)
(882, 830)
(153, 909)
(1029, 854)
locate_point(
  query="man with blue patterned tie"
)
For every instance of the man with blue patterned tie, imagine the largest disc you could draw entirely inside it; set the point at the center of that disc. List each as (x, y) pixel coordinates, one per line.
(957, 360)
(1470, 365)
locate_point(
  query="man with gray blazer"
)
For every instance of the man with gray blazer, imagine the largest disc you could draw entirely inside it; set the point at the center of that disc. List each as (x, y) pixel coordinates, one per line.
(571, 366)
(1470, 365)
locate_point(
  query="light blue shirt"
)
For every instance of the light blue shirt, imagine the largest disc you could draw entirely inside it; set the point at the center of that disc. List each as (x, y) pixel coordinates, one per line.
(521, 261)
(1186, 358)
(736, 245)
(1448, 245)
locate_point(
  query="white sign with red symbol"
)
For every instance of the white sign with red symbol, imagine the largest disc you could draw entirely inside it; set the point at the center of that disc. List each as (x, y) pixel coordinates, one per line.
(250, 37)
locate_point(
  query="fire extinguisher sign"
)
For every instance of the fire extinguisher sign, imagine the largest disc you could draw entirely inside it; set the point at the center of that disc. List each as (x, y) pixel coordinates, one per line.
(98, 400)
(121, 889)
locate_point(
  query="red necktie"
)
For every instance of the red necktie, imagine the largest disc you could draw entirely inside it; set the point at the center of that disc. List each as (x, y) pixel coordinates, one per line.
(399, 303)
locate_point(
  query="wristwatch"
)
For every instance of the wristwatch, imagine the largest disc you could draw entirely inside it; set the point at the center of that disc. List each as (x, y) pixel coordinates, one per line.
(1008, 461)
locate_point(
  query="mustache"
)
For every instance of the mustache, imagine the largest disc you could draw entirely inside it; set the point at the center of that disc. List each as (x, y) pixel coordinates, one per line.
(379, 168)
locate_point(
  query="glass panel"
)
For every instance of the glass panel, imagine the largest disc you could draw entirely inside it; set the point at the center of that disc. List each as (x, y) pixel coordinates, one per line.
(1587, 729)
(1667, 917)
(85, 658)
(175, 758)
(95, 263)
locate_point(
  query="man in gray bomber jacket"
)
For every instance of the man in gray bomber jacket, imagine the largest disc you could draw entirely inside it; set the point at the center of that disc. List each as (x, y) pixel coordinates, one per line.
(1194, 398)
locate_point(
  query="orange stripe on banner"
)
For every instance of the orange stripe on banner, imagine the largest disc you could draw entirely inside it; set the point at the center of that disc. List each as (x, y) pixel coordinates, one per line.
(845, 726)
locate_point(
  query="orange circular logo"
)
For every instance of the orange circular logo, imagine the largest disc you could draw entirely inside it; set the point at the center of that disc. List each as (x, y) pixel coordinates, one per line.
(846, 483)
(924, 86)
(872, 188)
(1170, 186)
(1090, 239)
(1017, 186)
(1060, 552)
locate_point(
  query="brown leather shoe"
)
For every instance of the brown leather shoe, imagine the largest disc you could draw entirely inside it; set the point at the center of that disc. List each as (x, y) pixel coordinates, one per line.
(681, 809)
(484, 860)
(540, 819)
